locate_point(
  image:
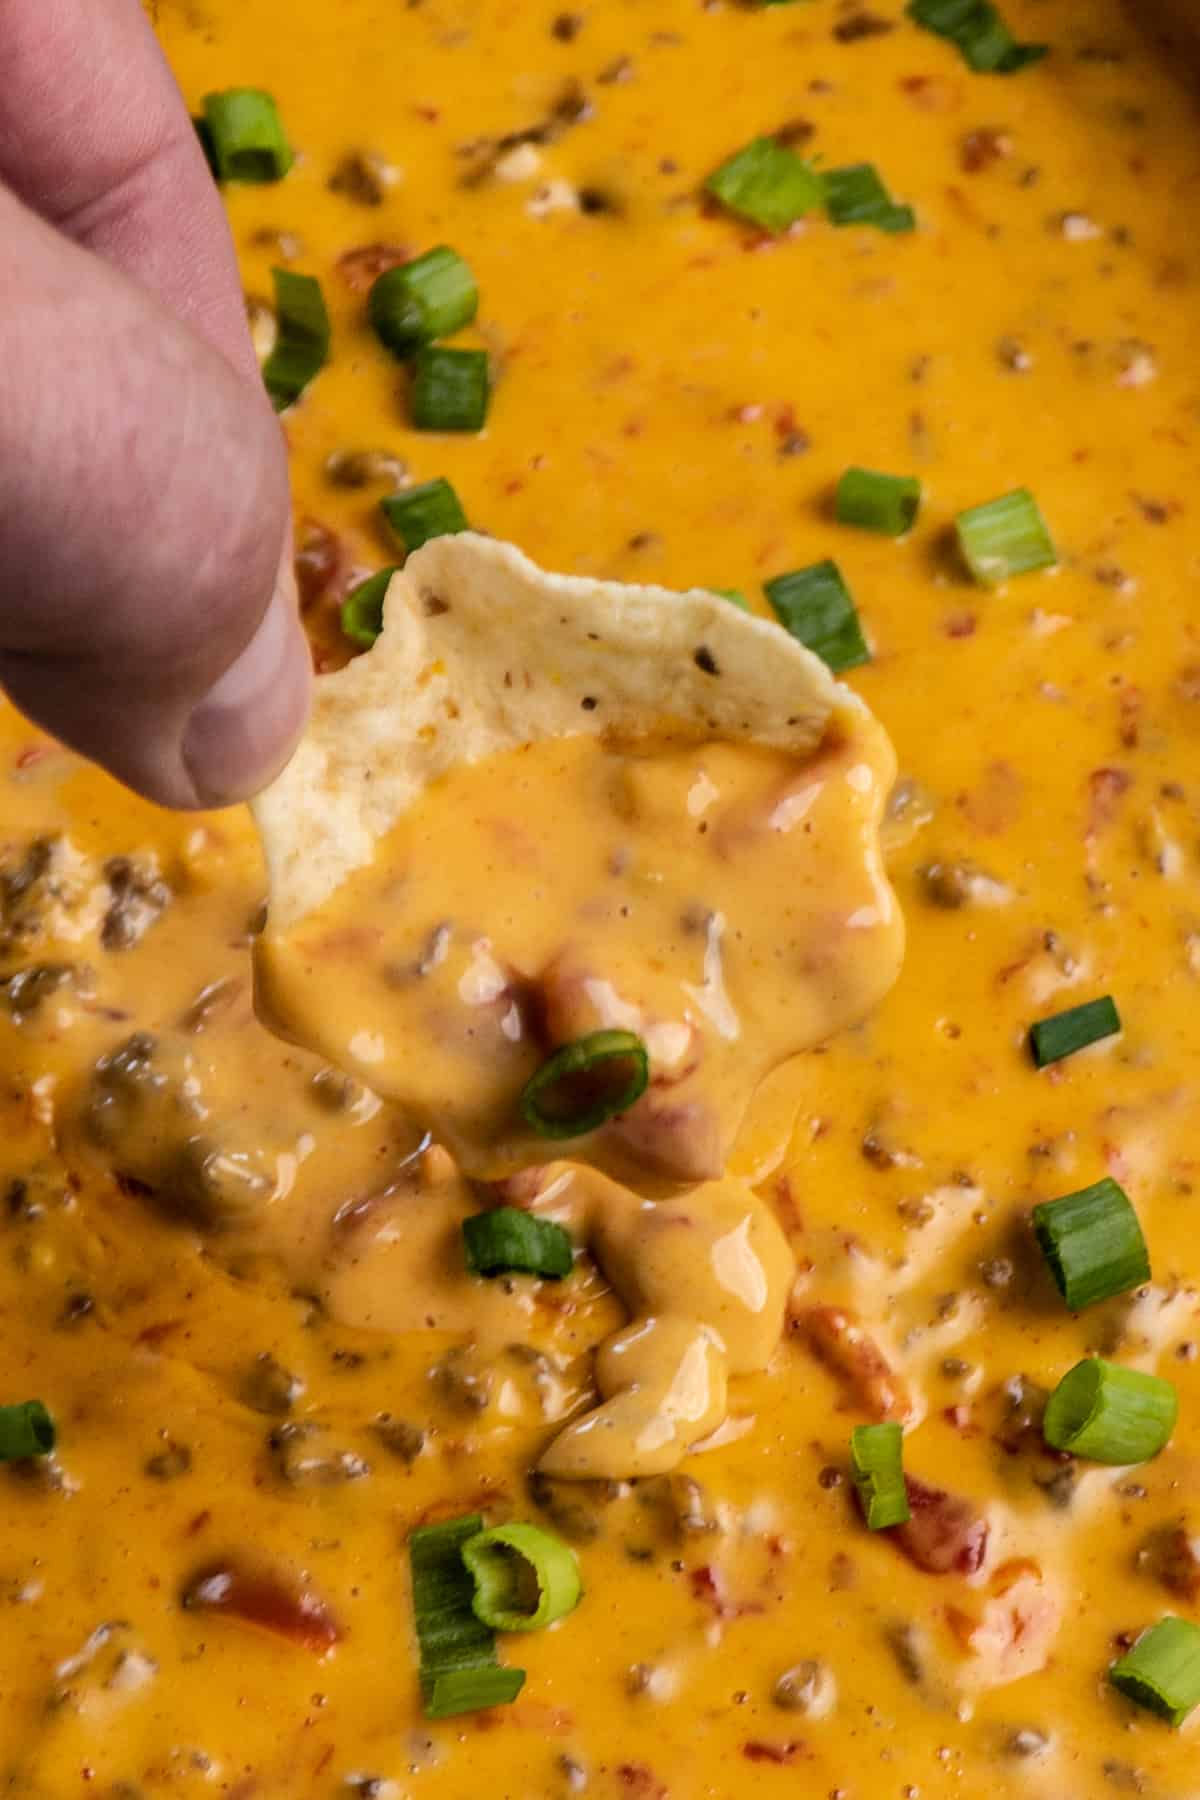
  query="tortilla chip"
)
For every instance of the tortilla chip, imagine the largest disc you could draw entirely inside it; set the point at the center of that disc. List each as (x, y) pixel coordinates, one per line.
(480, 652)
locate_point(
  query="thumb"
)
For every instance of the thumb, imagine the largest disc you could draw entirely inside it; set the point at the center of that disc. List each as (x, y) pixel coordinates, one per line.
(147, 614)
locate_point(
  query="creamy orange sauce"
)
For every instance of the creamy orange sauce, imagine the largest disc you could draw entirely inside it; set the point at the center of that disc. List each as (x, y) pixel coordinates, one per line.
(676, 401)
(724, 902)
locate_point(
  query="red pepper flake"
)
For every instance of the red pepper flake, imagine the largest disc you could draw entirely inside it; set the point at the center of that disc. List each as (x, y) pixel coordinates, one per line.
(982, 148)
(640, 1779)
(755, 1750)
(960, 625)
(361, 267)
(154, 1335)
(1106, 788)
(786, 1210)
(932, 93)
(706, 1588)
(1130, 701)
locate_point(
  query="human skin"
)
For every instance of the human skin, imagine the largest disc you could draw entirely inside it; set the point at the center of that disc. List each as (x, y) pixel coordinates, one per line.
(147, 609)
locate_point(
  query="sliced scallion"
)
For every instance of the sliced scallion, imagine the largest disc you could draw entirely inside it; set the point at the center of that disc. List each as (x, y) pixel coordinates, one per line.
(302, 341)
(26, 1429)
(1092, 1243)
(459, 1669)
(815, 606)
(1062, 1034)
(1110, 1414)
(768, 184)
(978, 32)
(735, 595)
(430, 510)
(884, 503)
(856, 195)
(471, 1689)
(525, 1578)
(586, 1083)
(876, 1455)
(1162, 1670)
(425, 299)
(244, 136)
(362, 609)
(508, 1240)
(1005, 537)
(449, 389)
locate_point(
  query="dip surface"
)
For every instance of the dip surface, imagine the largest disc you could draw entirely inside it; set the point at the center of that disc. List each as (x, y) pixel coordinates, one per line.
(234, 1276)
(723, 902)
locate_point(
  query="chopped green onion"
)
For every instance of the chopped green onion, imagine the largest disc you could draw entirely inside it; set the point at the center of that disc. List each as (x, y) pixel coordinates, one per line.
(423, 300)
(1062, 1034)
(585, 1083)
(459, 1671)
(856, 196)
(735, 595)
(302, 345)
(979, 33)
(1110, 1414)
(1162, 1671)
(430, 510)
(245, 137)
(525, 1578)
(507, 1240)
(876, 1454)
(1005, 537)
(768, 184)
(1092, 1243)
(814, 605)
(450, 390)
(886, 503)
(471, 1689)
(26, 1430)
(362, 609)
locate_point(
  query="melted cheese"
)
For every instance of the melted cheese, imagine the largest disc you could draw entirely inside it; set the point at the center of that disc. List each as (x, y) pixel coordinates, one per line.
(725, 902)
(309, 1390)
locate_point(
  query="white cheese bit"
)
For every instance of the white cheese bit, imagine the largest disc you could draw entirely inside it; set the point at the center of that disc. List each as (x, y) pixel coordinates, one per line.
(133, 1671)
(521, 163)
(552, 197)
(1076, 227)
(1136, 365)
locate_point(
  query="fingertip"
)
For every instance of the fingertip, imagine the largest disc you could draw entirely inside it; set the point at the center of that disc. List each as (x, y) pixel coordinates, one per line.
(243, 731)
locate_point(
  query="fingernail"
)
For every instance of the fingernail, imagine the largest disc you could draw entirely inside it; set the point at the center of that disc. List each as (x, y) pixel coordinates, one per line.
(246, 727)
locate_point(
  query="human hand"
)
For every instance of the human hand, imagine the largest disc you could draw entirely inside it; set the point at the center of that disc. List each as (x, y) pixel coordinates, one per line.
(147, 607)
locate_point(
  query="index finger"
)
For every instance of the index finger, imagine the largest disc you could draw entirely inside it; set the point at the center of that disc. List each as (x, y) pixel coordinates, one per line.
(95, 137)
